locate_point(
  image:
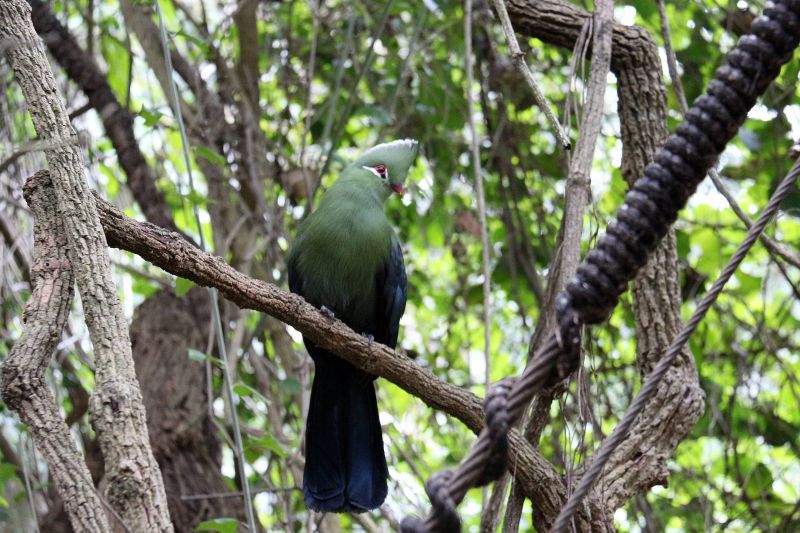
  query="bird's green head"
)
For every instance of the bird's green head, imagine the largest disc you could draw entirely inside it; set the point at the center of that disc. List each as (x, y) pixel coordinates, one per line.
(389, 162)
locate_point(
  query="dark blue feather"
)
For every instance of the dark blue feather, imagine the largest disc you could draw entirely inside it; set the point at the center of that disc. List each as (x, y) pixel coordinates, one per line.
(391, 290)
(345, 467)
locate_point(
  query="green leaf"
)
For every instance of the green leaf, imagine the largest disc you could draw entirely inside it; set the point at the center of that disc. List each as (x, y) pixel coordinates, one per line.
(197, 355)
(150, 117)
(143, 286)
(196, 198)
(213, 157)
(222, 525)
(182, 286)
(245, 390)
(7, 471)
(197, 42)
(268, 442)
(377, 115)
(759, 481)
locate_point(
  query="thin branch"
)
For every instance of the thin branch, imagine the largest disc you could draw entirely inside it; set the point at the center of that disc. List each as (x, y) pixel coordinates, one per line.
(217, 321)
(236, 494)
(79, 139)
(672, 64)
(27, 479)
(312, 61)
(518, 58)
(170, 252)
(476, 169)
(337, 133)
(576, 199)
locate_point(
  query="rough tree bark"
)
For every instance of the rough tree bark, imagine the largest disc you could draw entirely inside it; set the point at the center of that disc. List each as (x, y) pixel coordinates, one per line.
(117, 121)
(568, 248)
(639, 79)
(22, 382)
(164, 362)
(135, 489)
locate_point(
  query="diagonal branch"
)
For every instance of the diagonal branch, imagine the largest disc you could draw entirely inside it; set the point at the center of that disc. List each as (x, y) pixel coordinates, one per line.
(518, 58)
(170, 252)
(576, 198)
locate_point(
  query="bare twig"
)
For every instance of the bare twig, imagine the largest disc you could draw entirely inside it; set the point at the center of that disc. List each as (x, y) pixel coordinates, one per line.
(576, 199)
(238, 447)
(476, 169)
(337, 133)
(518, 58)
(312, 60)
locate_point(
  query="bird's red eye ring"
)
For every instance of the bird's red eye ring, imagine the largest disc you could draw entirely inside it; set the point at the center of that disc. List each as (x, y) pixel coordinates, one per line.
(381, 170)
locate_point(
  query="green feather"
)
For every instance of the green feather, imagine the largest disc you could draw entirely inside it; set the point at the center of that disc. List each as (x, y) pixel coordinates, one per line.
(341, 245)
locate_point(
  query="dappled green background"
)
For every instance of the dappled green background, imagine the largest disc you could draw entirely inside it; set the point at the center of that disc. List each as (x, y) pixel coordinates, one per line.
(739, 469)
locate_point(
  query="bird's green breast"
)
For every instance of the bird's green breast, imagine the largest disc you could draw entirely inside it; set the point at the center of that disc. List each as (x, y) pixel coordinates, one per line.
(339, 249)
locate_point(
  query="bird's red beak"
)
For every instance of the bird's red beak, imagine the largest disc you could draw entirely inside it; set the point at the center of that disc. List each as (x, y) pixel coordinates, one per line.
(397, 188)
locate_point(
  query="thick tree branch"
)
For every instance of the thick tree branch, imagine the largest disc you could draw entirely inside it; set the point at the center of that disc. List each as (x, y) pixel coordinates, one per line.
(22, 382)
(135, 488)
(172, 253)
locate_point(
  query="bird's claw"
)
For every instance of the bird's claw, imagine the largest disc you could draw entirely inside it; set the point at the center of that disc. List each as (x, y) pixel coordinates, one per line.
(327, 312)
(370, 339)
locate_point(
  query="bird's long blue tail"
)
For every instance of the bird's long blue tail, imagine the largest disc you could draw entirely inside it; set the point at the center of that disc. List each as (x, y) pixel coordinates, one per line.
(345, 465)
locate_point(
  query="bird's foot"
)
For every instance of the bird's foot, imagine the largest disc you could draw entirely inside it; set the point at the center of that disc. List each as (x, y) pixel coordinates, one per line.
(327, 312)
(369, 338)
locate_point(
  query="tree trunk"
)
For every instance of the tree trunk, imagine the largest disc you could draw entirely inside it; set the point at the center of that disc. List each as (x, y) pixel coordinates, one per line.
(182, 434)
(135, 489)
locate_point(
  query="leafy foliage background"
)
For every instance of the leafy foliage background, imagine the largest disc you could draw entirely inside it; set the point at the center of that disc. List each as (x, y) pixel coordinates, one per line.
(739, 470)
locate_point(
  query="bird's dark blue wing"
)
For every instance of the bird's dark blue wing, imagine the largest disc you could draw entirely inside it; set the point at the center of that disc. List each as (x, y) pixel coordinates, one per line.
(391, 291)
(294, 282)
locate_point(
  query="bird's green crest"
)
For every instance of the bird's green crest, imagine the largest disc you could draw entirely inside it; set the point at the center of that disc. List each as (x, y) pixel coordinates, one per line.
(396, 156)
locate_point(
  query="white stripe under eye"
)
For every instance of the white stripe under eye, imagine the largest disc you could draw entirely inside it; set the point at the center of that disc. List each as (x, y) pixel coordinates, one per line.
(372, 170)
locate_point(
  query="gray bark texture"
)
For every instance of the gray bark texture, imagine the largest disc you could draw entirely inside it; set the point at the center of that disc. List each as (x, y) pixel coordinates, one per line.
(135, 489)
(22, 382)
(82, 68)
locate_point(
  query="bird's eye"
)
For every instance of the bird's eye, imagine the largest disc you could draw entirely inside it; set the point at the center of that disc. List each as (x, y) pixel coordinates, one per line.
(381, 170)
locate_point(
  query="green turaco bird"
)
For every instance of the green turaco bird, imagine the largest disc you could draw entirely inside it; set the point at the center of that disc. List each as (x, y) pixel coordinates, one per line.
(347, 258)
